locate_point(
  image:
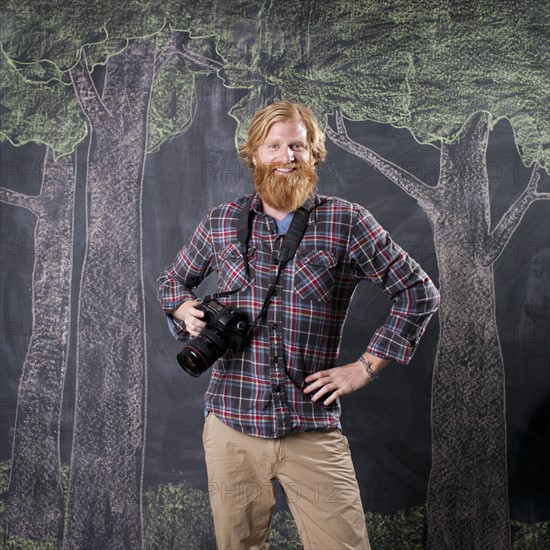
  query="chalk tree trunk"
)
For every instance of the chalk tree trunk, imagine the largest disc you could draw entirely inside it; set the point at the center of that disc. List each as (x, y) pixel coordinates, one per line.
(467, 501)
(34, 507)
(105, 487)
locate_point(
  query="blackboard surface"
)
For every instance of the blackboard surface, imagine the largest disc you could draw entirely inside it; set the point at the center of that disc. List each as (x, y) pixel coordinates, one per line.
(385, 423)
(404, 459)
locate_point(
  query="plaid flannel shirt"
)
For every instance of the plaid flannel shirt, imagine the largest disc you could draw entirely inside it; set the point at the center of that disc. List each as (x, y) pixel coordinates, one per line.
(259, 391)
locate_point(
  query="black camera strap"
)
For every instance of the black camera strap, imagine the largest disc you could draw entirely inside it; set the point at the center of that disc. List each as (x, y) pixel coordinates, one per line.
(281, 257)
(244, 228)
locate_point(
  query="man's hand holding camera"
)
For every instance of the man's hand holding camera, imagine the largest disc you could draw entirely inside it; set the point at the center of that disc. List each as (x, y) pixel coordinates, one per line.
(215, 328)
(191, 316)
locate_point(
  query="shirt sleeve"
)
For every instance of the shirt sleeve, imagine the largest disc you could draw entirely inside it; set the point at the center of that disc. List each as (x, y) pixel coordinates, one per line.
(415, 298)
(176, 283)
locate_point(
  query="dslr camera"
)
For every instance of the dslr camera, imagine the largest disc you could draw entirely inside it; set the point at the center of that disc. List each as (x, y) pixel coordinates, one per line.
(228, 327)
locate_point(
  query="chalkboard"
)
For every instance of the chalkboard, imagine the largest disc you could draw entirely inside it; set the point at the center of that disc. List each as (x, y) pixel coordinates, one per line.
(138, 141)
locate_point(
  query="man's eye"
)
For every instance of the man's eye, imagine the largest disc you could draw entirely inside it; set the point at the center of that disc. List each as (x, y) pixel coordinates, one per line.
(298, 146)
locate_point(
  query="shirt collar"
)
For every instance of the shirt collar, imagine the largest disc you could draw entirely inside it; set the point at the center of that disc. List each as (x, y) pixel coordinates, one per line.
(312, 203)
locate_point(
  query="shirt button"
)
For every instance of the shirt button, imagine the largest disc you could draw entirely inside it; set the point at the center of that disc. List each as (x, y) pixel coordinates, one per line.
(277, 389)
(275, 359)
(275, 326)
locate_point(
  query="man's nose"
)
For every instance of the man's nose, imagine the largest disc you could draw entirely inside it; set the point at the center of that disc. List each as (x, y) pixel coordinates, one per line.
(287, 155)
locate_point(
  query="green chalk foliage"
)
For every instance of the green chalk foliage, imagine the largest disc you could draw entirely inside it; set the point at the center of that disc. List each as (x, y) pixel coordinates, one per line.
(45, 113)
(21, 543)
(402, 530)
(172, 103)
(49, 35)
(423, 65)
(530, 536)
(178, 516)
(173, 99)
(426, 65)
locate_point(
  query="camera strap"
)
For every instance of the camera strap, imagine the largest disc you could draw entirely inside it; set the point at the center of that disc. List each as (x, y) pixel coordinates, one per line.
(281, 257)
(244, 228)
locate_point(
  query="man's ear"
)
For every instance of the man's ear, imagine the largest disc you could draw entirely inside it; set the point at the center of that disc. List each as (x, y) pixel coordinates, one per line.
(254, 159)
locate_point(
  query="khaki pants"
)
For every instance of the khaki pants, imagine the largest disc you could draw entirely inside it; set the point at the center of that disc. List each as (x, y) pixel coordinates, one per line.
(315, 471)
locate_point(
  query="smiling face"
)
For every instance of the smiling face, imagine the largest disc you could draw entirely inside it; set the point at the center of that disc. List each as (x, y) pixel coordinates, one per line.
(284, 174)
(285, 142)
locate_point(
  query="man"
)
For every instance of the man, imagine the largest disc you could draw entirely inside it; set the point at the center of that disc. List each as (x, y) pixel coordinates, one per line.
(273, 409)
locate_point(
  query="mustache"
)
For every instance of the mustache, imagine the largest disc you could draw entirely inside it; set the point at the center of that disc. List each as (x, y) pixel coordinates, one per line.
(279, 165)
(268, 169)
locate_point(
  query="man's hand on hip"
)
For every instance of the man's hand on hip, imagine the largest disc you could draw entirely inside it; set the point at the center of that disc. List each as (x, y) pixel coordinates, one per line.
(342, 380)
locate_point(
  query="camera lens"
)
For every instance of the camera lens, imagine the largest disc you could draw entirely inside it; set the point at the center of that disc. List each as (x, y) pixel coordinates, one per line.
(201, 352)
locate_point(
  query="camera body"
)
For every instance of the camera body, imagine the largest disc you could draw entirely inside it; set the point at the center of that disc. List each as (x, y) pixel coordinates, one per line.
(227, 327)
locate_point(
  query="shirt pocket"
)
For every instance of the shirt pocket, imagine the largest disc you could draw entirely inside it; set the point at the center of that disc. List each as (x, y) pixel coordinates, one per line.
(314, 275)
(232, 273)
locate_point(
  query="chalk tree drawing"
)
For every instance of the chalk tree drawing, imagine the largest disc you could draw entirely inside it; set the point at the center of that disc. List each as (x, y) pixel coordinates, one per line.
(126, 116)
(35, 498)
(110, 413)
(34, 505)
(468, 410)
(109, 426)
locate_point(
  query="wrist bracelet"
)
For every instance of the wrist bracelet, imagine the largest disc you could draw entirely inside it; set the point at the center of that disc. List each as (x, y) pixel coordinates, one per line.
(368, 367)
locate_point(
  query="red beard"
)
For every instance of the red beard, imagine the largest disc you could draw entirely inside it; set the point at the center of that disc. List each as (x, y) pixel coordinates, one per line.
(285, 192)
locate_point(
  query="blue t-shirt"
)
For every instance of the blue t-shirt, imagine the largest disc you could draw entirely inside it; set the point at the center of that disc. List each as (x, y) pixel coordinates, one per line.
(284, 224)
